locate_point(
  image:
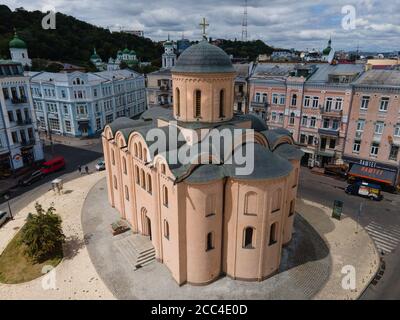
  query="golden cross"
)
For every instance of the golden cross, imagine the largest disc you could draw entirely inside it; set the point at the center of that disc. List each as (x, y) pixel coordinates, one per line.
(204, 25)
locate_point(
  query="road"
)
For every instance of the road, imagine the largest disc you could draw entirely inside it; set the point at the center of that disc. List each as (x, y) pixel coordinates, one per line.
(381, 220)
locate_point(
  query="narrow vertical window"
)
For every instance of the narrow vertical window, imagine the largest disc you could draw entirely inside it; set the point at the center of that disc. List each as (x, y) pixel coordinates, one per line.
(291, 209)
(178, 102)
(112, 157)
(166, 229)
(198, 104)
(115, 183)
(210, 241)
(140, 151)
(126, 193)
(248, 238)
(124, 165)
(149, 184)
(163, 168)
(221, 103)
(273, 234)
(165, 196)
(137, 175)
(143, 179)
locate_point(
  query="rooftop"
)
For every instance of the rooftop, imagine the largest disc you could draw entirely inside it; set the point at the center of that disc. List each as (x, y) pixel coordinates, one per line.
(380, 77)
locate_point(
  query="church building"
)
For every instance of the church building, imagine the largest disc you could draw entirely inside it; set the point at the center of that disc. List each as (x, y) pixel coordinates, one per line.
(19, 51)
(203, 218)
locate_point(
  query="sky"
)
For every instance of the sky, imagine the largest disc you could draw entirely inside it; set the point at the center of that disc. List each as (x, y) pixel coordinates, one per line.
(372, 25)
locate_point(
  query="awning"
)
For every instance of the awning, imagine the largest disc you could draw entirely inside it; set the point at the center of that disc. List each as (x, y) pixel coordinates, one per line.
(380, 175)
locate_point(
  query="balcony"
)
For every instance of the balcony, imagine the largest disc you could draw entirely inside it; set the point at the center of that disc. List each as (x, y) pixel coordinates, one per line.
(164, 87)
(19, 100)
(255, 104)
(239, 95)
(328, 132)
(331, 113)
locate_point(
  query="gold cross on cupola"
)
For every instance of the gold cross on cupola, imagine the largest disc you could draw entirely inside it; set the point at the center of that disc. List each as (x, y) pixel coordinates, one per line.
(204, 25)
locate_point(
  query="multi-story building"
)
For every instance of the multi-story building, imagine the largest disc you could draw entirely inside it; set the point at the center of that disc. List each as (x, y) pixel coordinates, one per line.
(19, 141)
(243, 71)
(311, 101)
(159, 88)
(373, 137)
(80, 104)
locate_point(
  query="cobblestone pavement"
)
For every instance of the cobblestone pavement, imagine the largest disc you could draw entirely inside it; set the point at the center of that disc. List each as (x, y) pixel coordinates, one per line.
(305, 267)
(75, 276)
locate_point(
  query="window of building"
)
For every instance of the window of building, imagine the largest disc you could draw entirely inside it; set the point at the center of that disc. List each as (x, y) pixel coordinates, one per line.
(326, 123)
(280, 119)
(303, 138)
(257, 97)
(198, 104)
(54, 124)
(313, 122)
(273, 234)
(356, 146)
(137, 175)
(335, 124)
(332, 143)
(166, 229)
(304, 121)
(149, 184)
(178, 102)
(364, 103)
(98, 124)
(291, 208)
(276, 200)
(338, 104)
(374, 149)
(210, 241)
(66, 110)
(14, 136)
(163, 168)
(307, 100)
(67, 126)
(140, 154)
(294, 100)
(250, 203)
(126, 193)
(328, 104)
(115, 183)
(124, 165)
(292, 118)
(248, 234)
(379, 125)
(310, 140)
(394, 152)
(360, 125)
(273, 116)
(135, 148)
(165, 196)
(384, 104)
(275, 98)
(315, 102)
(397, 130)
(221, 103)
(142, 179)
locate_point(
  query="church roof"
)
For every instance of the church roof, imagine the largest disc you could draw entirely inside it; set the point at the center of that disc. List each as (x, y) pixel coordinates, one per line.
(17, 43)
(204, 58)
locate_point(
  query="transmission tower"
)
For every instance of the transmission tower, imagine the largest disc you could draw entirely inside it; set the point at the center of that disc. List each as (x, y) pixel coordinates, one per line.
(244, 22)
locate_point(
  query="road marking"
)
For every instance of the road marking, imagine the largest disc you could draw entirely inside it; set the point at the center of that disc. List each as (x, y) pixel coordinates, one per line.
(386, 238)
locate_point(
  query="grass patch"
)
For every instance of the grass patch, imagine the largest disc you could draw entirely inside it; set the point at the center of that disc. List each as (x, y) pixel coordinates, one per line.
(16, 267)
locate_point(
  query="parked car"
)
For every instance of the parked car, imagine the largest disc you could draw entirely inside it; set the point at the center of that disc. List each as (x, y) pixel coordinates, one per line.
(31, 178)
(101, 165)
(339, 170)
(4, 216)
(53, 165)
(365, 189)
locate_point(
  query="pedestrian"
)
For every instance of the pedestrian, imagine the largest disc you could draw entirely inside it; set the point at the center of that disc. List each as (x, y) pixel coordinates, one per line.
(80, 169)
(86, 169)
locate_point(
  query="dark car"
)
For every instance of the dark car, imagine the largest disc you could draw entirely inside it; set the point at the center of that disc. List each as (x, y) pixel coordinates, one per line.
(365, 189)
(31, 178)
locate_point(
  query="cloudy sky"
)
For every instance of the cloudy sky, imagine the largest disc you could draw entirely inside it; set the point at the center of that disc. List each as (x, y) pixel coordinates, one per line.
(280, 23)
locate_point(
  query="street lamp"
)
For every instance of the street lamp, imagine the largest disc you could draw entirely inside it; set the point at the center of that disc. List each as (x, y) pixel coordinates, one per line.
(7, 197)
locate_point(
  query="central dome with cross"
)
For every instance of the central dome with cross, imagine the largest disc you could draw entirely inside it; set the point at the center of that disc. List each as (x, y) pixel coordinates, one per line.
(203, 81)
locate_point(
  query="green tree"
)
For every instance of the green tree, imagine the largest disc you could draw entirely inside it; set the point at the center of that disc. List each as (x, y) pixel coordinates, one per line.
(42, 234)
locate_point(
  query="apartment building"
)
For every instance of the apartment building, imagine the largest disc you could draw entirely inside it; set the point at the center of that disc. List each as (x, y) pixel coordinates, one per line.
(80, 104)
(241, 99)
(373, 137)
(159, 88)
(19, 141)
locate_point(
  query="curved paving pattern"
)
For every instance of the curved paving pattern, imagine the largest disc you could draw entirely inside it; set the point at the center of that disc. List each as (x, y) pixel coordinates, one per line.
(305, 267)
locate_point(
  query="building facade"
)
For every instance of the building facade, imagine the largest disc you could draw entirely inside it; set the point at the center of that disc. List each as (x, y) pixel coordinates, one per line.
(19, 51)
(373, 138)
(159, 88)
(19, 141)
(204, 219)
(80, 104)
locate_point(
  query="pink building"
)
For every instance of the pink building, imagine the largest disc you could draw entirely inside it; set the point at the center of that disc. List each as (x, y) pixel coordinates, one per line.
(204, 219)
(373, 138)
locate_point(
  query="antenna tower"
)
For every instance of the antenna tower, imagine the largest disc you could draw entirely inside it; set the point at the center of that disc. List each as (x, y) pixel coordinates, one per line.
(244, 23)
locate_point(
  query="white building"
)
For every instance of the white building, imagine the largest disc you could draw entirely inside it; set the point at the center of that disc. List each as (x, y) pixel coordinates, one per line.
(81, 104)
(169, 56)
(19, 51)
(19, 140)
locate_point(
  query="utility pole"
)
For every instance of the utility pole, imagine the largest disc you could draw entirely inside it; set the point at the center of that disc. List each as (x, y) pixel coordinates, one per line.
(244, 23)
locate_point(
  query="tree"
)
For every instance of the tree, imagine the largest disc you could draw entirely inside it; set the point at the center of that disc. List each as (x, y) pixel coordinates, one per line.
(42, 234)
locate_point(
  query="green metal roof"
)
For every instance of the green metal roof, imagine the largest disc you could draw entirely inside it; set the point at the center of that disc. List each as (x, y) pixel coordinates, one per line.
(17, 43)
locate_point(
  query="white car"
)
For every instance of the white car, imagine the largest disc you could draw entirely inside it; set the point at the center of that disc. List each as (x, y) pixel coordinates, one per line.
(101, 165)
(4, 216)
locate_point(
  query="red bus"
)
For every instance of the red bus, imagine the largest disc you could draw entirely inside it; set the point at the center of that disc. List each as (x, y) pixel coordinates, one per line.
(53, 165)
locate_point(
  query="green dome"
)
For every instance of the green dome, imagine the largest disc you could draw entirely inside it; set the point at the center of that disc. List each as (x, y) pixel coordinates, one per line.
(17, 43)
(126, 50)
(328, 49)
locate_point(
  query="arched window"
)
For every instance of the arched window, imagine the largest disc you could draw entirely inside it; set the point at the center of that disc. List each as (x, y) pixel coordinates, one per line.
(144, 155)
(294, 99)
(248, 238)
(250, 203)
(124, 165)
(165, 196)
(276, 200)
(137, 175)
(163, 168)
(273, 234)
(210, 241)
(291, 208)
(136, 150)
(291, 119)
(140, 151)
(149, 185)
(115, 183)
(166, 229)
(126, 193)
(143, 179)
(221, 103)
(178, 102)
(197, 113)
(112, 157)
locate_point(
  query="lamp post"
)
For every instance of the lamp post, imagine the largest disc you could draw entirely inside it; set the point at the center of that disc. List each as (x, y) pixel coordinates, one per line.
(7, 197)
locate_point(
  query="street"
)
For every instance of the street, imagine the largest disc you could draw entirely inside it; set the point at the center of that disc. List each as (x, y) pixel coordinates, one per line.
(381, 219)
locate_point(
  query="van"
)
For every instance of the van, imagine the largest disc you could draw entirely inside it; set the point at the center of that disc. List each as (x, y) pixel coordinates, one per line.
(365, 189)
(53, 165)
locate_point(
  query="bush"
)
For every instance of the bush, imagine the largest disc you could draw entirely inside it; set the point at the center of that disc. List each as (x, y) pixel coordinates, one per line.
(42, 234)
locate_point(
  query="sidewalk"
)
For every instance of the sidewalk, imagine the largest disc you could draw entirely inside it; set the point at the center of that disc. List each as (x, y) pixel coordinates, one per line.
(70, 141)
(349, 244)
(76, 278)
